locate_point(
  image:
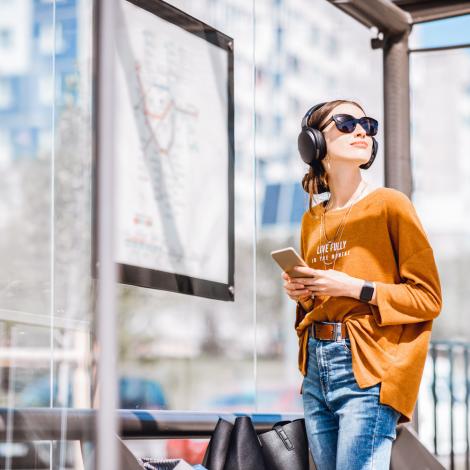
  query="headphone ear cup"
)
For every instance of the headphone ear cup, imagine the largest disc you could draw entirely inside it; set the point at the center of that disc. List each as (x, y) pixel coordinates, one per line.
(375, 146)
(311, 145)
(321, 143)
(310, 142)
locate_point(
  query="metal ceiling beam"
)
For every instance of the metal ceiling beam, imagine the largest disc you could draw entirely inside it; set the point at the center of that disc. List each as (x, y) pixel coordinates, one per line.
(383, 14)
(430, 10)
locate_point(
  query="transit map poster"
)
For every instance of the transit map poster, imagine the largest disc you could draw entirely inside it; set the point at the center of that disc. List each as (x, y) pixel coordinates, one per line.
(174, 152)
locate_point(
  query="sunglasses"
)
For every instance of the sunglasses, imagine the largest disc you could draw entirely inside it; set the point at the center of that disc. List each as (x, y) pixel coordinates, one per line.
(347, 123)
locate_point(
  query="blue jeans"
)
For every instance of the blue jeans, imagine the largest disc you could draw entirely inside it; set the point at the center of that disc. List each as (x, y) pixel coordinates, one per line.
(347, 427)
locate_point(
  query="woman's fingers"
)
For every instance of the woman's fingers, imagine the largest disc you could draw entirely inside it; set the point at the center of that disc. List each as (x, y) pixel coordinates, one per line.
(296, 292)
(294, 285)
(306, 280)
(295, 288)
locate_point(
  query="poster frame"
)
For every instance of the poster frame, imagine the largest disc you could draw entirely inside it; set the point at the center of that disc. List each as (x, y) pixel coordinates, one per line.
(151, 278)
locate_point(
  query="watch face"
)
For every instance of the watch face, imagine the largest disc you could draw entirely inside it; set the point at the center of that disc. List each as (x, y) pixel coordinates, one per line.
(367, 292)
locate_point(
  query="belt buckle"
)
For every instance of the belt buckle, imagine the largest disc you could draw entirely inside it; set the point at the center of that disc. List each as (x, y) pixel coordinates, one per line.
(336, 335)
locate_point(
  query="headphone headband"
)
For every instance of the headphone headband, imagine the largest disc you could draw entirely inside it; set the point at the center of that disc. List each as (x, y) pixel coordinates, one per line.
(310, 112)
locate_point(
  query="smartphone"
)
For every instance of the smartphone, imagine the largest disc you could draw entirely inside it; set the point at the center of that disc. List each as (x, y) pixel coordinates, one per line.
(287, 258)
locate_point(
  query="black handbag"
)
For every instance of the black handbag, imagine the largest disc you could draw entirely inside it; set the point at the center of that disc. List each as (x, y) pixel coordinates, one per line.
(216, 452)
(286, 446)
(234, 447)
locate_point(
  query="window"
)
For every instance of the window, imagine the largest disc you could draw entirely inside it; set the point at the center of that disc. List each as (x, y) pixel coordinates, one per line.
(277, 79)
(279, 33)
(5, 147)
(46, 90)
(294, 104)
(6, 38)
(258, 121)
(332, 46)
(46, 39)
(278, 120)
(271, 202)
(314, 34)
(6, 93)
(292, 63)
(299, 204)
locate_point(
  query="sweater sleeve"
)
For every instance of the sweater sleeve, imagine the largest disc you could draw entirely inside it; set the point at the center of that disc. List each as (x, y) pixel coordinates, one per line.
(300, 313)
(303, 306)
(418, 296)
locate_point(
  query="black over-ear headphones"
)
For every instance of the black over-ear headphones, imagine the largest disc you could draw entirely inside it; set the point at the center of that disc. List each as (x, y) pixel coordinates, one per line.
(312, 146)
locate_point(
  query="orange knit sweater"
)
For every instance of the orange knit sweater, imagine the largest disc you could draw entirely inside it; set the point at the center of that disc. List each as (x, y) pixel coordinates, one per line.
(383, 241)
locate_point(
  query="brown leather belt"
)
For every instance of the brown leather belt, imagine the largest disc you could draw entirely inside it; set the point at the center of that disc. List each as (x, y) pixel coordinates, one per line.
(328, 330)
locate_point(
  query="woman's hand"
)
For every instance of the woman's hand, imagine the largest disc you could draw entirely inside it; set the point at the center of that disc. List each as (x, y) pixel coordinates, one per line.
(321, 282)
(295, 289)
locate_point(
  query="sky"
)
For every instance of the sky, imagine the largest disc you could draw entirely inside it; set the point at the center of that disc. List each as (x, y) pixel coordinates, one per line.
(446, 32)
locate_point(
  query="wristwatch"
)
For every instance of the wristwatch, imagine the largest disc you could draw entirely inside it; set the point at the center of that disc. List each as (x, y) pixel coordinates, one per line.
(367, 291)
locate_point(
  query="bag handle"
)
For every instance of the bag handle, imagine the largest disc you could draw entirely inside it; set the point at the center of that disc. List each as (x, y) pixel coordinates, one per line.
(282, 435)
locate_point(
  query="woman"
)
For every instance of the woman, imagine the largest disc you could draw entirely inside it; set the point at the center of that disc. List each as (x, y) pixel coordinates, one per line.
(366, 301)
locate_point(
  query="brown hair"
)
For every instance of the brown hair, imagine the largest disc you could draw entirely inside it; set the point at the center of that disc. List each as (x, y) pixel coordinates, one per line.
(315, 180)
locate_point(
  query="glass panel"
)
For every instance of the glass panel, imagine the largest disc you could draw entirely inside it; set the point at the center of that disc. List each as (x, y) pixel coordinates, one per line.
(182, 352)
(180, 340)
(441, 172)
(194, 353)
(25, 240)
(172, 349)
(45, 165)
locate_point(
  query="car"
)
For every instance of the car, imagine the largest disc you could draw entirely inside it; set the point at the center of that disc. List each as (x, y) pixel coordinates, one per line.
(134, 393)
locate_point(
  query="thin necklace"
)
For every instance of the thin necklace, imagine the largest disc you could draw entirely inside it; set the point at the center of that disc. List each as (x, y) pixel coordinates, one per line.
(340, 227)
(344, 217)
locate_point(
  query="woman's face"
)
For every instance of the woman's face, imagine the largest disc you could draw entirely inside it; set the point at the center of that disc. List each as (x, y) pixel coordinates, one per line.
(339, 144)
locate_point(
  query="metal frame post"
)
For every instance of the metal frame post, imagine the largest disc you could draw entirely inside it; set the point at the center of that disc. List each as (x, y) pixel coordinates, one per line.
(106, 425)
